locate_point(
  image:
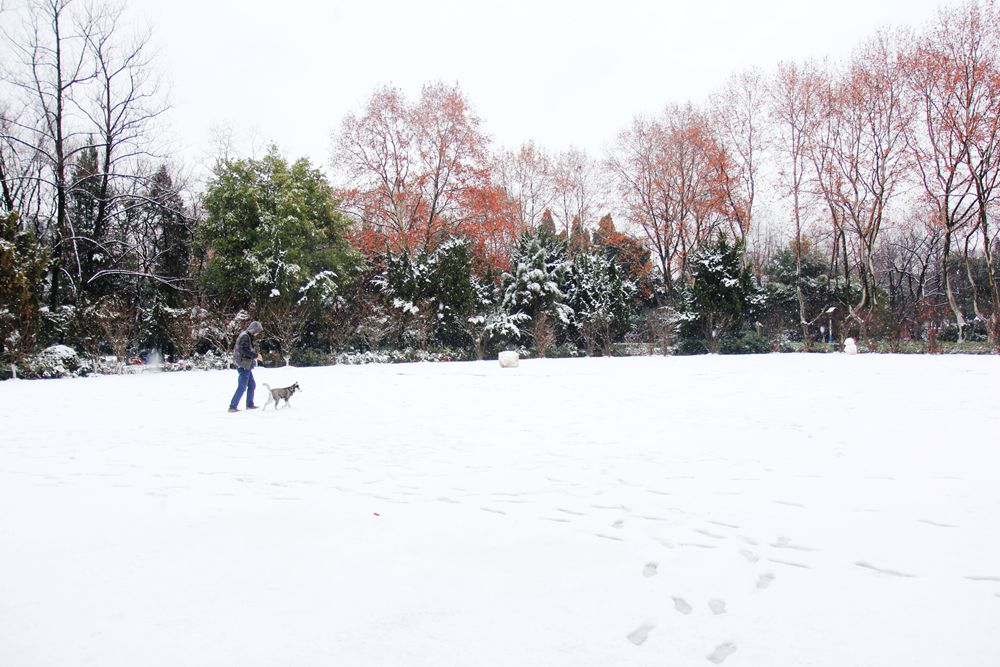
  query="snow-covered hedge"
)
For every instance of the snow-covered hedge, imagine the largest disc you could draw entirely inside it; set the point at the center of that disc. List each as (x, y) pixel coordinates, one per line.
(57, 361)
(396, 356)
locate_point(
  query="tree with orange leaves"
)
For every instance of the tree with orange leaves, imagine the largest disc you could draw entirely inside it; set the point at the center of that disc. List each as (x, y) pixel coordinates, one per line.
(630, 253)
(947, 69)
(870, 156)
(666, 176)
(410, 167)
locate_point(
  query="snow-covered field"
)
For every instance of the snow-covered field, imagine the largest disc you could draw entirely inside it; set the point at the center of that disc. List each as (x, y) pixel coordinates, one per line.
(768, 511)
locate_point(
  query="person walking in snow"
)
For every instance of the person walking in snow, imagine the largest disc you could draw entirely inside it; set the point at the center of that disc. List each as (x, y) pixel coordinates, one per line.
(245, 357)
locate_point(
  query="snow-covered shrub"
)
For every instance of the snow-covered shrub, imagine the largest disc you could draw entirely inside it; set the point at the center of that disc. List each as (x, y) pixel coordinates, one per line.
(397, 356)
(56, 361)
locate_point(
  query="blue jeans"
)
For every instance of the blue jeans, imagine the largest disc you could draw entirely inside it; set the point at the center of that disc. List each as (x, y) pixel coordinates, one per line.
(246, 384)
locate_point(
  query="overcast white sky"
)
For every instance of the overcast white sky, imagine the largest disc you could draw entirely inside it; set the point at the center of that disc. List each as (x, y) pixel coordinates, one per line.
(561, 73)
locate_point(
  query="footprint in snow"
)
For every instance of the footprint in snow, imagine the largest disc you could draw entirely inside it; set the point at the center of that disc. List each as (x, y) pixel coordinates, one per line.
(765, 580)
(717, 606)
(749, 555)
(681, 605)
(721, 652)
(650, 570)
(640, 634)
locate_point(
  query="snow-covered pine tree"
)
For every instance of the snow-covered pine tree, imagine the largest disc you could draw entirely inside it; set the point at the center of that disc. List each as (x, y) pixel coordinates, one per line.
(23, 264)
(601, 299)
(722, 297)
(536, 286)
(492, 326)
(432, 294)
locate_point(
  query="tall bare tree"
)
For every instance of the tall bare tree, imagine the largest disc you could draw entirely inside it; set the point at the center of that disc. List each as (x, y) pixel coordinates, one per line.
(52, 68)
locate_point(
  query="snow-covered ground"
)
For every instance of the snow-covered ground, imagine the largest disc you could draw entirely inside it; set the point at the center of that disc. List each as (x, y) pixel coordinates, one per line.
(769, 511)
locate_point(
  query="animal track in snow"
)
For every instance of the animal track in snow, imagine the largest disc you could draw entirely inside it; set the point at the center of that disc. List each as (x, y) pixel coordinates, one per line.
(788, 562)
(609, 537)
(640, 634)
(651, 569)
(493, 511)
(749, 540)
(620, 508)
(765, 580)
(449, 500)
(557, 519)
(717, 606)
(882, 570)
(937, 523)
(790, 503)
(749, 555)
(566, 511)
(700, 546)
(660, 493)
(721, 652)
(681, 605)
(724, 524)
(982, 578)
(618, 524)
(708, 533)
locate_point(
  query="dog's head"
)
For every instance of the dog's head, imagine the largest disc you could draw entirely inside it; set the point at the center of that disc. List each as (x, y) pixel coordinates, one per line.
(295, 387)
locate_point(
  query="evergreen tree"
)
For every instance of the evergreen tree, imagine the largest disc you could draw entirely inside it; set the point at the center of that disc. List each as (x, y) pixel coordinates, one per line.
(90, 250)
(436, 288)
(536, 287)
(782, 307)
(722, 297)
(175, 233)
(602, 300)
(272, 231)
(23, 265)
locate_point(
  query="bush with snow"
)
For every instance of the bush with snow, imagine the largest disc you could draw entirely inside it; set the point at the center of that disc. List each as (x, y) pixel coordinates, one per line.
(56, 361)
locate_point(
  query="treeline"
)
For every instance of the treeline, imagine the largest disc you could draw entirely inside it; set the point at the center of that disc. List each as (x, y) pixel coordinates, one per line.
(815, 202)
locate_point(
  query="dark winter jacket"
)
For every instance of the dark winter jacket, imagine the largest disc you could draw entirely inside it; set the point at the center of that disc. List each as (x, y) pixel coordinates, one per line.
(244, 354)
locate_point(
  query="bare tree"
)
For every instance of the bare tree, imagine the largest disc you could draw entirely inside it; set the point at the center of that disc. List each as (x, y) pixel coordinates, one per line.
(738, 119)
(526, 177)
(939, 140)
(88, 100)
(870, 157)
(575, 193)
(51, 52)
(794, 107)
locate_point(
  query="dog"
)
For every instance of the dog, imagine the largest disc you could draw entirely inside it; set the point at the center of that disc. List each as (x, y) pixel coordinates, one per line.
(275, 395)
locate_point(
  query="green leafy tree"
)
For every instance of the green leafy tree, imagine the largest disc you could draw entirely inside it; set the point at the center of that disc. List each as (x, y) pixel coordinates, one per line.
(272, 231)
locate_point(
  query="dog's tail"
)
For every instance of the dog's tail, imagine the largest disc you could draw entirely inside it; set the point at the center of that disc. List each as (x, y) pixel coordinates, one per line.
(266, 385)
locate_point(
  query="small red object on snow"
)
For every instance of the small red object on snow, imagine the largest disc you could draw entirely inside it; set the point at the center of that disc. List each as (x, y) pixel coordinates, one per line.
(376, 514)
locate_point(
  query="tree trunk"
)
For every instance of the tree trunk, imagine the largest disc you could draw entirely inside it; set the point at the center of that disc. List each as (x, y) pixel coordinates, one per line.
(956, 311)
